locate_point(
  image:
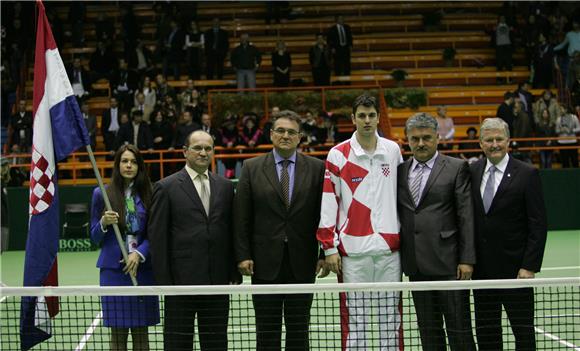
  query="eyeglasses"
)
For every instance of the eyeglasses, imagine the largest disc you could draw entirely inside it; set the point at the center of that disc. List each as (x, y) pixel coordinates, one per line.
(199, 148)
(282, 131)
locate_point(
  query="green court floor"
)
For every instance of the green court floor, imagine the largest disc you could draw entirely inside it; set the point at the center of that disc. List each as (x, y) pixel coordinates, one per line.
(557, 314)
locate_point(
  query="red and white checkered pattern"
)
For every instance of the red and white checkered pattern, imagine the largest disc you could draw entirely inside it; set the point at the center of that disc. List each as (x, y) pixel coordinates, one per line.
(359, 201)
(41, 184)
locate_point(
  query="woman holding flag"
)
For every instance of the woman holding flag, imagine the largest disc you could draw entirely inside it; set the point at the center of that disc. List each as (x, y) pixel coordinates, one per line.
(130, 195)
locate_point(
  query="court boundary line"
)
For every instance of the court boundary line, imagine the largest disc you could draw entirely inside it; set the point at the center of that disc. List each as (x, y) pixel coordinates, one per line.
(89, 333)
(556, 338)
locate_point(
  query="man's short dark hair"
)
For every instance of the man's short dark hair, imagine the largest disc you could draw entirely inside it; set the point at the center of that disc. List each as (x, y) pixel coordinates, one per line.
(137, 113)
(366, 101)
(288, 114)
(508, 95)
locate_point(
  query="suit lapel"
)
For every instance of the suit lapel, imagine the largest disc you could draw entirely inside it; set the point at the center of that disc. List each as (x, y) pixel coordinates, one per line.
(479, 169)
(300, 168)
(510, 173)
(188, 187)
(406, 169)
(272, 175)
(437, 168)
(214, 192)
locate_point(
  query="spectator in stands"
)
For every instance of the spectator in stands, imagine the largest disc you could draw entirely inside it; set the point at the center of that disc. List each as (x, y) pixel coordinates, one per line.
(567, 126)
(4, 214)
(510, 234)
(130, 195)
(161, 131)
(162, 134)
(310, 131)
(103, 61)
(104, 28)
(328, 129)
(250, 135)
(527, 99)
(372, 254)
(76, 17)
(90, 123)
(246, 60)
(320, 62)
(230, 139)
(163, 89)
(80, 79)
(173, 54)
(170, 108)
(148, 91)
(545, 129)
(140, 59)
(267, 127)
(574, 74)
(428, 253)
(191, 233)
(191, 101)
(183, 130)
(543, 63)
(339, 38)
(572, 39)
(141, 105)
(283, 189)
(549, 102)
(130, 28)
(281, 64)
(21, 125)
(194, 41)
(505, 111)
(503, 42)
(217, 45)
(522, 129)
(473, 156)
(136, 133)
(110, 124)
(123, 84)
(445, 129)
(530, 33)
(207, 127)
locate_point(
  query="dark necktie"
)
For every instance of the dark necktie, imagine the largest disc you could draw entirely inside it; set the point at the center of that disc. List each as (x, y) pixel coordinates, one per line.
(341, 35)
(285, 182)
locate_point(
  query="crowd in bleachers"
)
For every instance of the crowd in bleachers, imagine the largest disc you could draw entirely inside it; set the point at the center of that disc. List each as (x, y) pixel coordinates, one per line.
(145, 109)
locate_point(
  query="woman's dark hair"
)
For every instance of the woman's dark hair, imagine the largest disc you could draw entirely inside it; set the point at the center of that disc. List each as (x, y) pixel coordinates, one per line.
(141, 184)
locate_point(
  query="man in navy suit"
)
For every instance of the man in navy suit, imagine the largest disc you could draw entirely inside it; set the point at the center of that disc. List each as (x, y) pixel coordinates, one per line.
(510, 232)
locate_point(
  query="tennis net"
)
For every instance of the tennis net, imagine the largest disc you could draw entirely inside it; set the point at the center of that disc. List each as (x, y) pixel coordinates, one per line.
(360, 316)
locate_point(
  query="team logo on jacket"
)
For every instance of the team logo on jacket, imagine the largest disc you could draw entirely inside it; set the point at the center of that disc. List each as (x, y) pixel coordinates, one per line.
(356, 179)
(386, 169)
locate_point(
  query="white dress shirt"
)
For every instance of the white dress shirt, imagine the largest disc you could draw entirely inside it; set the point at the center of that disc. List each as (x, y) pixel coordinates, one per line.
(499, 172)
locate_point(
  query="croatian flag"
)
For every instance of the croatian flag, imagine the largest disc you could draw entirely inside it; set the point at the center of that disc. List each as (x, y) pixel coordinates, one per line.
(58, 130)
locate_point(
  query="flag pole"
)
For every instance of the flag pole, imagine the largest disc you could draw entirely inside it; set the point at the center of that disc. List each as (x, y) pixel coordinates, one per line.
(109, 208)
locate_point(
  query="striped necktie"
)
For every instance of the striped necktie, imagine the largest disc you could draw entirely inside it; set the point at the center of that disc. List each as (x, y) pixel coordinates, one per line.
(415, 185)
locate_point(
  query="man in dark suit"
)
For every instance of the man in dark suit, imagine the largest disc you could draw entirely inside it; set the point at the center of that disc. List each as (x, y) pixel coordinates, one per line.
(190, 235)
(136, 133)
(173, 50)
(217, 44)
(21, 124)
(79, 79)
(437, 237)
(339, 38)
(505, 111)
(110, 124)
(277, 209)
(123, 84)
(510, 232)
(207, 127)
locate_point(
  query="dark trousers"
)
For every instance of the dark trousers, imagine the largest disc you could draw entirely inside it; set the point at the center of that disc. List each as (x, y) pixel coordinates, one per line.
(294, 307)
(569, 157)
(214, 63)
(342, 61)
(212, 316)
(519, 306)
(503, 57)
(432, 306)
(321, 76)
(109, 139)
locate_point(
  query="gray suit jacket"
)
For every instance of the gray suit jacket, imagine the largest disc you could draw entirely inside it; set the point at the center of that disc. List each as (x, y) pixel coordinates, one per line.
(437, 234)
(187, 246)
(262, 220)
